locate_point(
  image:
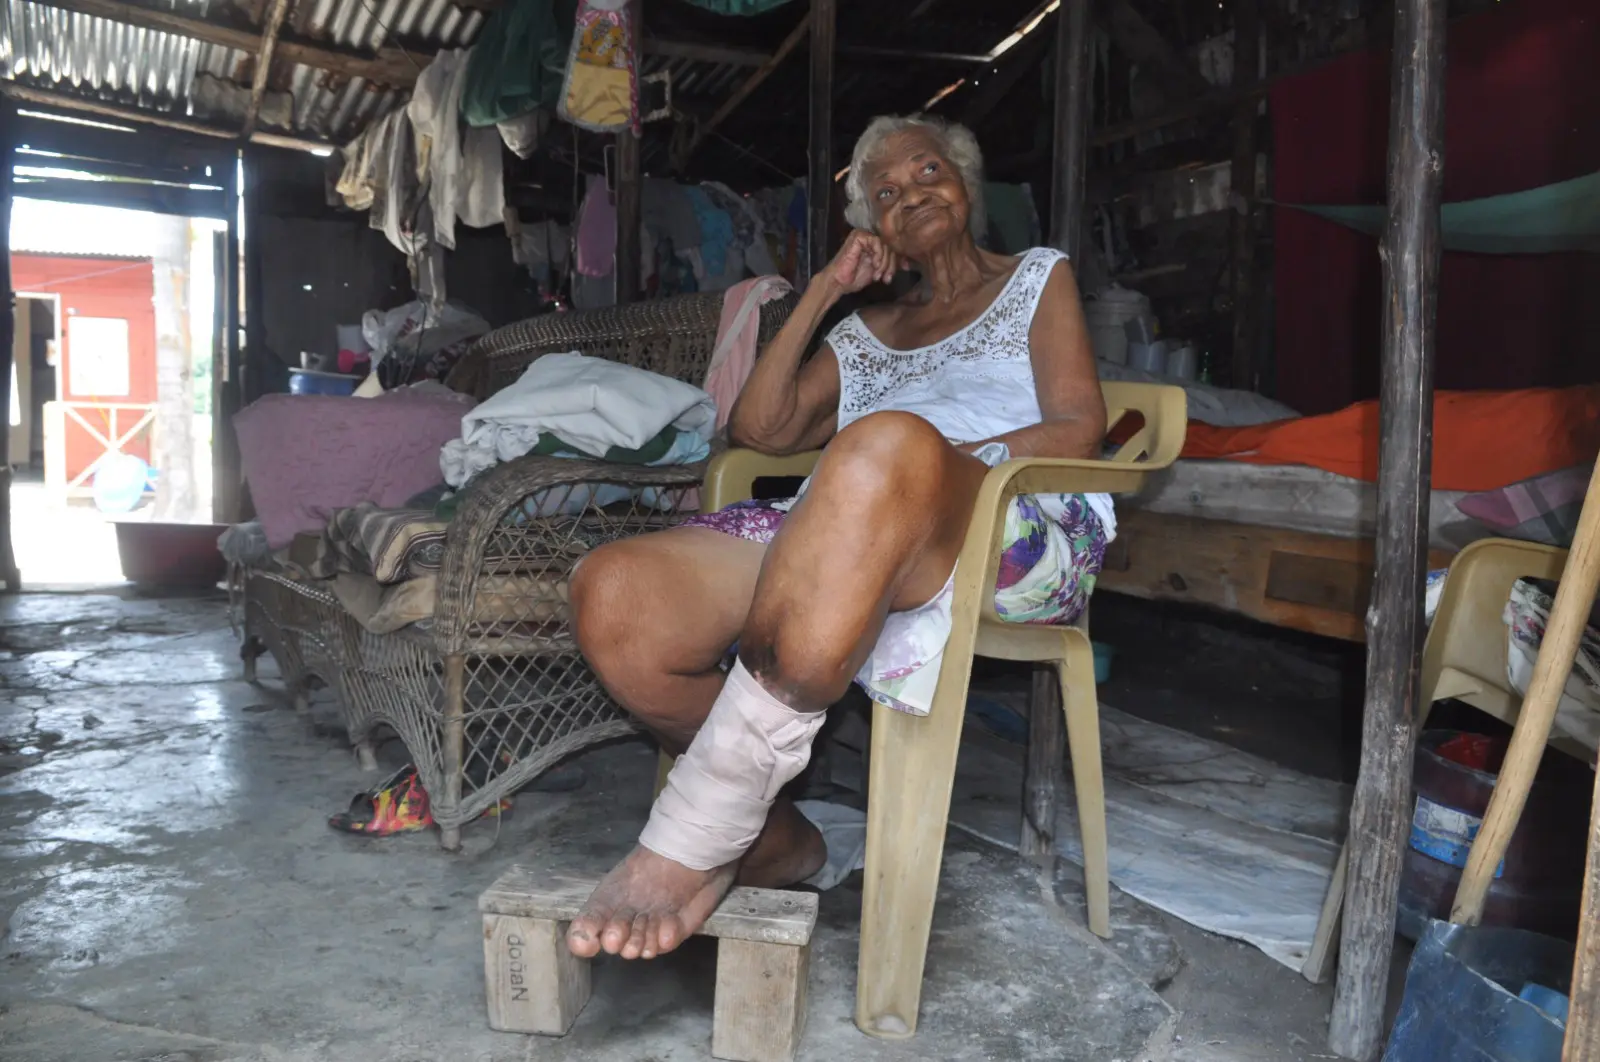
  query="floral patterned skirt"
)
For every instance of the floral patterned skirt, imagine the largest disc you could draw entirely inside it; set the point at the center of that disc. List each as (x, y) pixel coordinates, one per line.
(1052, 550)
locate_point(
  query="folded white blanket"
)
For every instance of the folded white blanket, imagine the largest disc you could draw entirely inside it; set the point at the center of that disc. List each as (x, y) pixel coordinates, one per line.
(589, 403)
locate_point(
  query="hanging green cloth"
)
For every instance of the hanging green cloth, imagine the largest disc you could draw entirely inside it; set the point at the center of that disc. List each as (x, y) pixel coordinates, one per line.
(739, 7)
(1557, 217)
(518, 62)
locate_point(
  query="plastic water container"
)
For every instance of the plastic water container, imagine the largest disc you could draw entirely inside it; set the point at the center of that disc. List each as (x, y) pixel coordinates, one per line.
(308, 382)
(1462, 999)
(1107, 316)
(119, 482)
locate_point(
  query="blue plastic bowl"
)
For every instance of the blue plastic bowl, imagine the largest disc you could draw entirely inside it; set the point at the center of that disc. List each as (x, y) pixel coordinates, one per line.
(308, 382)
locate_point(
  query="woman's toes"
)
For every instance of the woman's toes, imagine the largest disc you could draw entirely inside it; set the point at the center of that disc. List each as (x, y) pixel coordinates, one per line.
(583, 937)
(615, 936)
(652, 939)
(636, 936)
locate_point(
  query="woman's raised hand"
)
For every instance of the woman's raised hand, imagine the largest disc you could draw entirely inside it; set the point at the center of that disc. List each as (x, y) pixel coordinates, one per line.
(863, 260)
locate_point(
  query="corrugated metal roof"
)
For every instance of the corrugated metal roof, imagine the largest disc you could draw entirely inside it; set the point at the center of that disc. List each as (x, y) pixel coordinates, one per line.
(76, 54)
(50, 48)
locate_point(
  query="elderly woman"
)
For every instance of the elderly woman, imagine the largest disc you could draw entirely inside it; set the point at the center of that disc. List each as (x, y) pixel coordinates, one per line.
(910, 401)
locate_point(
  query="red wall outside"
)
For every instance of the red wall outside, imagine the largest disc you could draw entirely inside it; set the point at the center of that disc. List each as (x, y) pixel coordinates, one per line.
(99, 287)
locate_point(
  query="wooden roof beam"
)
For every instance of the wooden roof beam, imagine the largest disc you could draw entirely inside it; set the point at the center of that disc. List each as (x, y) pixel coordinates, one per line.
(742, 93)
(389, 66)
(269, 42)
(63, 101)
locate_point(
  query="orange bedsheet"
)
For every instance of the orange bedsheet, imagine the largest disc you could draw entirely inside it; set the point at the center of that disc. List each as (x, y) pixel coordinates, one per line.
(1481, 439)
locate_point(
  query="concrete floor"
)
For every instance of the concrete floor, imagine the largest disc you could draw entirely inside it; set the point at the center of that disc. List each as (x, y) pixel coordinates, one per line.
(170, 890)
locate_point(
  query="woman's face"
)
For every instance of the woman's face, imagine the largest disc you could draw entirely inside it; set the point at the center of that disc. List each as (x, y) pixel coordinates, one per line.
(917, 196)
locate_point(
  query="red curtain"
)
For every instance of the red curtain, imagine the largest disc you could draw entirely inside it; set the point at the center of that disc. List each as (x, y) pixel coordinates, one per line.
(1522, 109)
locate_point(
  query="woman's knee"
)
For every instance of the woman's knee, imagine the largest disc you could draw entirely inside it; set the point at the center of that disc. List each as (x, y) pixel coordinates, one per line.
(603, 593)
(889, 453)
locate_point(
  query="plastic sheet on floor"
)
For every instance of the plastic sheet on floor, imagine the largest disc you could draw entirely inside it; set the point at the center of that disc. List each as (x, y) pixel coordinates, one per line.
(1224, 840)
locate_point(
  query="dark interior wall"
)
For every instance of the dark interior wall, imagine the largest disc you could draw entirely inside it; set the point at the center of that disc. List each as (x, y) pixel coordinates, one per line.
(322, 266)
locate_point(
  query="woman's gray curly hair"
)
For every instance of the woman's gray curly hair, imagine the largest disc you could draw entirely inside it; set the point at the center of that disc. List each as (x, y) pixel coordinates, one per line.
(957, 144)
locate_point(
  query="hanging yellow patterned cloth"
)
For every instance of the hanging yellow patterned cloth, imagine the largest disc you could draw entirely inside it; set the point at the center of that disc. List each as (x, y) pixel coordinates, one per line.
(601, 92)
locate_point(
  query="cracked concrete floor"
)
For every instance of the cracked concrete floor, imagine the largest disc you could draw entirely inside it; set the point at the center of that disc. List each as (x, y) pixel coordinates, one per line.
(171, 891)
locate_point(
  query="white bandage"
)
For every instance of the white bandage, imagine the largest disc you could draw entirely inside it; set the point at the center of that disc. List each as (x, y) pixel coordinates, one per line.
(717, 796)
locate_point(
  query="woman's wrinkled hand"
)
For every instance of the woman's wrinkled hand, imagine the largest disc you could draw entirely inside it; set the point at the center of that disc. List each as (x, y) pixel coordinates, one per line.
(864, 260)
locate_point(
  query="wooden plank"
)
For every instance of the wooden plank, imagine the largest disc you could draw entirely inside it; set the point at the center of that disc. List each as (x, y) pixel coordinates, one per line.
(269, 43)
(819, 174)
(765, 916)
(699, 52)
(1070, 145)
(1583, 1016)
(1230, 566)
(1379, 813)
(535, 984)
(8, 332)
(736, 99)
(1242, 190)
(759, 1013)
(630, 184)
(389, 66)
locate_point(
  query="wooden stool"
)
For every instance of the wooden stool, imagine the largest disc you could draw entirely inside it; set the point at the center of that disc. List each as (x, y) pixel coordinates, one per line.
(763, 953)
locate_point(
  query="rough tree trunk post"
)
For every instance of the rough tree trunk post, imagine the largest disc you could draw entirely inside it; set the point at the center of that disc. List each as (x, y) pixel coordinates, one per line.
(819, 175)
(1379, 813)
(629, 195)
(1069, 163)
(173, 455)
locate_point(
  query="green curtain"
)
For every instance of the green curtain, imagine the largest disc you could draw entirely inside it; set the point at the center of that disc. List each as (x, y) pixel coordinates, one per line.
(519, 61)
(739, 7)
(1557, 217)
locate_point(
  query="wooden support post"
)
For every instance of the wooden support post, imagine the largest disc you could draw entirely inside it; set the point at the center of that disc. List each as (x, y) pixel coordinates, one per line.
(269, 43)
(1070, 154)
(1242, 175)
(629, 191)
(819, 175)
(1583, 1016)
(8, 333)
(1410, 251)
(1575, 595)
(1047, 747)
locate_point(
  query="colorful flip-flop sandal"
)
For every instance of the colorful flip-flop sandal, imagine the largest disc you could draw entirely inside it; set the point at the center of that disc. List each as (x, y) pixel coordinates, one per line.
(398, 804)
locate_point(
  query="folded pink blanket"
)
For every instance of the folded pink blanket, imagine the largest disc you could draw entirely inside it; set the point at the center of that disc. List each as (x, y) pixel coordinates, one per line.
(305, 456)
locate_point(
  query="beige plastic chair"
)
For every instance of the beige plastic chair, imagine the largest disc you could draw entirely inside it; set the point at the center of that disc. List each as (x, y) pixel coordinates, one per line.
(914, 759)
(1464, 657)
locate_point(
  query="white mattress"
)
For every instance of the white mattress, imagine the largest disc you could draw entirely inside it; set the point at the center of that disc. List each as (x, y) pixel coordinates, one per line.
(1293, 497)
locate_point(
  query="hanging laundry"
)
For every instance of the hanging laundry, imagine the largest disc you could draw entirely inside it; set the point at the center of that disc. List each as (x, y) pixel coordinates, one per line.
(748, 234)
(463, 170)
(601, 91)
(518, 61)
(597, 230)
(716, 232)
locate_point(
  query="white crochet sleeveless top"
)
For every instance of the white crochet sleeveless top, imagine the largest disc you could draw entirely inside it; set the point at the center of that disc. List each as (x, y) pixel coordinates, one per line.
(974, 384)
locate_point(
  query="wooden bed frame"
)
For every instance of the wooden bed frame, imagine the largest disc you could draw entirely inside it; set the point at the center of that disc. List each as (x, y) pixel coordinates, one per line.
(1320, 584)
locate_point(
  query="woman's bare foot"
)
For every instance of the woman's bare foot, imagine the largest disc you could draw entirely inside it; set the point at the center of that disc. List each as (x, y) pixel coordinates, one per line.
(647, 906)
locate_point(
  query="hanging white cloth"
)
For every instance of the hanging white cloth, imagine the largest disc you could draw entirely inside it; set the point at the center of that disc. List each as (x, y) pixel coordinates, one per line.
(463, 170)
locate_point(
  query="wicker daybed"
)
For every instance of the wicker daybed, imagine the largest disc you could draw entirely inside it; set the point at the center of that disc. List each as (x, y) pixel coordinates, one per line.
(493, 691)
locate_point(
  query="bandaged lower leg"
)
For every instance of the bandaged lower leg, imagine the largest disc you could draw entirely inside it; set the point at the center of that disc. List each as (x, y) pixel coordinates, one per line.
(717, 795)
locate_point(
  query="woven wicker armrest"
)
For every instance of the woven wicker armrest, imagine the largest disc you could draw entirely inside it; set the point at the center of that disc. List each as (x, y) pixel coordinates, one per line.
(522, 526)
